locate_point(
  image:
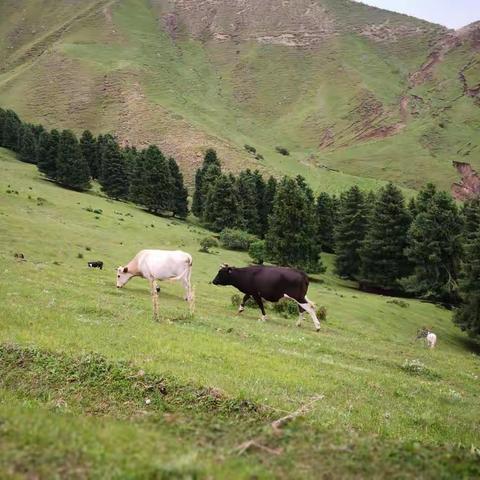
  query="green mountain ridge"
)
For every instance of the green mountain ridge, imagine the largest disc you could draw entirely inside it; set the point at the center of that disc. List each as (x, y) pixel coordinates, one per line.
(355, 93)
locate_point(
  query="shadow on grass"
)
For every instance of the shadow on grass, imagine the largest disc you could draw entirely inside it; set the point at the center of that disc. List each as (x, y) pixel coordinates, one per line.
(469, 344)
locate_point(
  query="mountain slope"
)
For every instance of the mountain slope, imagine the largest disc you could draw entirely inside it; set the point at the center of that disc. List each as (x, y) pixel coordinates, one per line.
(341, 85)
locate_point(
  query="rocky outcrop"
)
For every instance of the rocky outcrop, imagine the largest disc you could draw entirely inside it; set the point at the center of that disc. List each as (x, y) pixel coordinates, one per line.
(469, 186)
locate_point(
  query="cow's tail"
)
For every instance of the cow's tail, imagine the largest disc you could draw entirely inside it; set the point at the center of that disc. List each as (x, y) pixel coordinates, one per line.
(187, 273)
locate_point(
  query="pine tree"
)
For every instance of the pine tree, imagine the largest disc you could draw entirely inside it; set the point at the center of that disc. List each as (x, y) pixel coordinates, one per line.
(3, 115)
(28, 145)
(412, 207)
(370, 199)
(72, 168)
(90, 153)
(37, 131)
(350, 233)
(47, 152)
(325, 223)
(260, 188)
(138, 192)
(130, 154)
(113, 176)
(152, 184)
(180, 193)
(211, 158)
(290, 239)
(247, 193)
(222, 205)
(267, 204)
(197, 200)
(471, 218)
(302, 183)
(204, 180)
(210, 174)
(100, 143)
(382, 253)
(11, 130)
(435, 249)
(424, 197)
(467, 316)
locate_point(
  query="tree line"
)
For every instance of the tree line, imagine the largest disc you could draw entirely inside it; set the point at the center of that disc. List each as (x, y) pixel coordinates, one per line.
(145, 177)
(428, 247)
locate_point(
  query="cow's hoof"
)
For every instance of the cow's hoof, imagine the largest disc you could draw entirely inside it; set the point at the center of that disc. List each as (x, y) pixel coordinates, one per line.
(298, 324)
(317, 329)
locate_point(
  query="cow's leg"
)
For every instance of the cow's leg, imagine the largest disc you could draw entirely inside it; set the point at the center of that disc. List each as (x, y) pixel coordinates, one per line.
(301, 316)
(259, 301)
(186, 281)
(308, 306)
(241, 308)
(154, 293)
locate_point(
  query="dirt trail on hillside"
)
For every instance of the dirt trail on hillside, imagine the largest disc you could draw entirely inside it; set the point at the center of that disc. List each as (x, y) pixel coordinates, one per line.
(44, 42)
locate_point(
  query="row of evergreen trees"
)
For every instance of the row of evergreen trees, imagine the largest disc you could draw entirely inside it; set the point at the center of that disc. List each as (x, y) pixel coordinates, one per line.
(388, 246)
(145, 177)
(429, 248)
(224, 201)
(282, 212)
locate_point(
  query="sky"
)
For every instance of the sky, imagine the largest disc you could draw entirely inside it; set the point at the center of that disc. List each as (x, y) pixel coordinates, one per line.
(451, 13)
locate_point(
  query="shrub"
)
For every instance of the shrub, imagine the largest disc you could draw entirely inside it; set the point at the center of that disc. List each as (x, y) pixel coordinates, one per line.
(80, 255)
(398, 302)
(236, 300)
(236, 239)
(416, 367)
(257, 251)
(282, 151)
(322, 314)
(250, 149)
(207, 243)
(286, 308)
(259, 156)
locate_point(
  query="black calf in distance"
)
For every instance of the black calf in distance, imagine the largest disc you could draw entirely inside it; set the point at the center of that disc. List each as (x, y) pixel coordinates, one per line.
(97, 264)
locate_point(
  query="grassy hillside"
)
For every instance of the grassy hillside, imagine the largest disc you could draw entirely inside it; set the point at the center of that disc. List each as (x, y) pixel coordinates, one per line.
(324, 79)
(79, 359)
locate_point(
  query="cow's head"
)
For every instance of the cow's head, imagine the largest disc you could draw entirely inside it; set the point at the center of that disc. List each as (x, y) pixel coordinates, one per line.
(422, 332)
(224, 276)
(123, 276)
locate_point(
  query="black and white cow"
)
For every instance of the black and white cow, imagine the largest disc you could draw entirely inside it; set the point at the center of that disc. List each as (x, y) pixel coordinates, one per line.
(97, 264)
(271, 284)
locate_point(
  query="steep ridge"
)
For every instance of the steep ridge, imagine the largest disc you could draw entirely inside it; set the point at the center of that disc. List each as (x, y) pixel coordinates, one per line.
(339, 84)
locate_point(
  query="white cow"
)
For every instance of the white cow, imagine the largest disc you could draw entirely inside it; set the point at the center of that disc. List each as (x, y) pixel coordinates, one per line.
(430, 337)
(156, 265)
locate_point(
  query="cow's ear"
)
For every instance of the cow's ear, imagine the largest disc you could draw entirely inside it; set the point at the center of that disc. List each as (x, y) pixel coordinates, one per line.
(125, 269)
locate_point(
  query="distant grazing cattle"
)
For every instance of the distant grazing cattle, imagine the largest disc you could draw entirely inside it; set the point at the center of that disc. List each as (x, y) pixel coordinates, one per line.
(156, 265)
(19, 256)
(97, 264)
(271, 284)
(430, 337)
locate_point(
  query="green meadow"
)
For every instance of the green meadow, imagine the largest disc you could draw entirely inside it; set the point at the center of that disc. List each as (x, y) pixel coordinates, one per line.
(91, 387)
